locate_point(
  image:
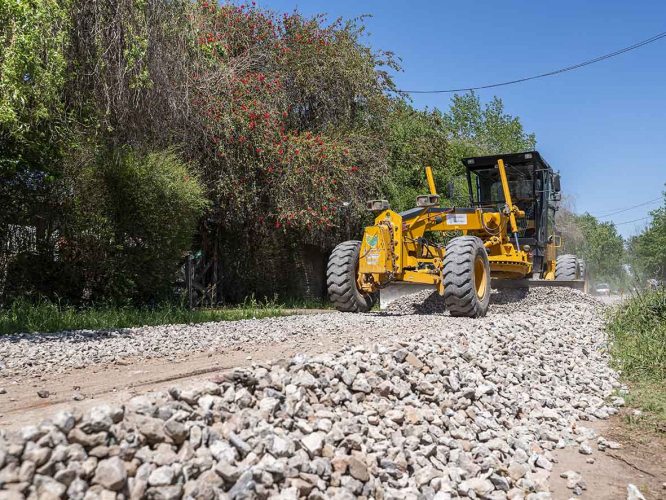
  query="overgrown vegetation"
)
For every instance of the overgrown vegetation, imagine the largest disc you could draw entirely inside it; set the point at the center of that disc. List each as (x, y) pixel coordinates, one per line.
(637, 333)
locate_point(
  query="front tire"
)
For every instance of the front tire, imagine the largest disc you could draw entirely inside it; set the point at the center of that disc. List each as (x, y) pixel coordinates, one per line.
(466, 277)
(341, 274)
(567, 268)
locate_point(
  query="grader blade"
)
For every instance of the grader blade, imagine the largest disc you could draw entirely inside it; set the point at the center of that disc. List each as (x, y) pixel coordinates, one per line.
(397, 290)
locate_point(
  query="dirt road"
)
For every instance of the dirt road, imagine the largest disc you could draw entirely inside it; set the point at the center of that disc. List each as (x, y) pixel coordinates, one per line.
(395, 405)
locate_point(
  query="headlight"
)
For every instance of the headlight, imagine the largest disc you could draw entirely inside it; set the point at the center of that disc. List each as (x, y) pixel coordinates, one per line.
(377, 205)
(427, 200)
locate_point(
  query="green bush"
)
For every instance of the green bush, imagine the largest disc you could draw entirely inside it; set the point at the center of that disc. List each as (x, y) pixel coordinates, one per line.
(134, 218)
(637, 330)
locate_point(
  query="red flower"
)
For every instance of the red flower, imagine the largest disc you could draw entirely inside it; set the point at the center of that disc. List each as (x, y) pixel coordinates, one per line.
(258, 150)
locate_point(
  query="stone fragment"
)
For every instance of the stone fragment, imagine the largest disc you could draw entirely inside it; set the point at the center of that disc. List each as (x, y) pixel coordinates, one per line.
(162, 476)
(314, 442)
(414, 361)
(480, 486)
(633, 493)
(585, 449)
(358, 469)
(110, 474)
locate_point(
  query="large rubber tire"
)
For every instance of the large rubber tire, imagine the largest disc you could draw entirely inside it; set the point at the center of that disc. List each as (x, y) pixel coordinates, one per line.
(582, 268)
(341, 279)
(566, 268)
(466, 277)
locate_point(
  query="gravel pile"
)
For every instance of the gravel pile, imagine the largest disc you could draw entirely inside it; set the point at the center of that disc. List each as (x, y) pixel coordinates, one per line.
(423, 302)
(501, 301)
(473, 408)
(32, 354)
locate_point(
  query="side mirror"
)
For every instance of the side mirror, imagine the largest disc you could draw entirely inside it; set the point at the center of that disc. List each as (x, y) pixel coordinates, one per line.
(555, 240)
(451, 190)
(556, 183)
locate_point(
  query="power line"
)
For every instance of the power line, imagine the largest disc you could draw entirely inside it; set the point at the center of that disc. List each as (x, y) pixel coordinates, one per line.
(630, 221)
(629, 208)
(551, 73)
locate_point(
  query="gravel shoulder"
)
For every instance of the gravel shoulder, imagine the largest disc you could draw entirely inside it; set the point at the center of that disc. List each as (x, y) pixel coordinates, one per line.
(410, 403)
(118, 381)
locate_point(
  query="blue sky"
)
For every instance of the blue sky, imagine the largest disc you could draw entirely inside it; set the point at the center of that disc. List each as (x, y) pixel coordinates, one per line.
(602, 126)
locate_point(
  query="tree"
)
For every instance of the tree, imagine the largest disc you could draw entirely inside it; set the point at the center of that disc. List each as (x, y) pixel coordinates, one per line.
(484, 130)
(647, 250)
(598, 243)
(34, 40)
(440, 140)
(417, 139)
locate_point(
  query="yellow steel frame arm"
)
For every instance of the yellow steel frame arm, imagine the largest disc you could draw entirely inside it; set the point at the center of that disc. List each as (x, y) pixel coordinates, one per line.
(507, 195)
(507, 198)
(431, 180)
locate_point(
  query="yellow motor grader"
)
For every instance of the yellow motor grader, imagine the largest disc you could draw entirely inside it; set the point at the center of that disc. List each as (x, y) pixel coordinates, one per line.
(506, 232)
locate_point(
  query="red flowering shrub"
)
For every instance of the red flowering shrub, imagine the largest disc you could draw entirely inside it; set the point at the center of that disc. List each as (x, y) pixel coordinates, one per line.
(292, 111)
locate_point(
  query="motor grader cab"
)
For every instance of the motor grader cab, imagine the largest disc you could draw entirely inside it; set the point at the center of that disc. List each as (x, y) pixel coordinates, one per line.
(506, 232)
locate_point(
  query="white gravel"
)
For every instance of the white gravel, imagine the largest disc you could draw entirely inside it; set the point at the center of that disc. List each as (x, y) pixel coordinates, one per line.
(437, 408)
(55, 352)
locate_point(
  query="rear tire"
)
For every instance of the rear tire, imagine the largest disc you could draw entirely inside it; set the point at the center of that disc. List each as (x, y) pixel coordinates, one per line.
(341, 274)
(582, 267)
(466, 277)
(567, 268)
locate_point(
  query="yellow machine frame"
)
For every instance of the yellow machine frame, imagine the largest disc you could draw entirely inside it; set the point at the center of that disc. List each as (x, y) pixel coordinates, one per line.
(393, 249)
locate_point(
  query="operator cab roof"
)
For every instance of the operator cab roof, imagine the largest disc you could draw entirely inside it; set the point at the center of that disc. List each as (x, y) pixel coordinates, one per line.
(517, 160)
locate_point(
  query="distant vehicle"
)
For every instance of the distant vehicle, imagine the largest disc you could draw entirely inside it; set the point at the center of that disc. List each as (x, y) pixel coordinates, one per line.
(602, 289)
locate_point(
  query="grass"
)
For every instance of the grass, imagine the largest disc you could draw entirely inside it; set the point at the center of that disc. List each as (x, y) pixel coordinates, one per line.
(637, 332)
(306, 304)
(650, 397)
(44, 316)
